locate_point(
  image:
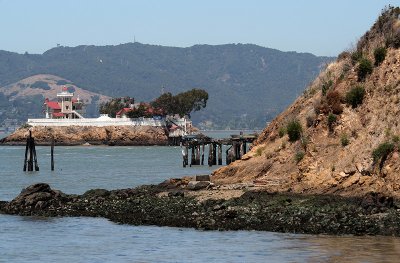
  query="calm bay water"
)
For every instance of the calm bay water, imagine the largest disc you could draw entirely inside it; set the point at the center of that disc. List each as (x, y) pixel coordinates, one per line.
(33, 239)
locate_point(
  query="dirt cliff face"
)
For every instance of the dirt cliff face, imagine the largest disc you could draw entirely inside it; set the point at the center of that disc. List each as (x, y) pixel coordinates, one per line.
(342, 149)
(76, 135)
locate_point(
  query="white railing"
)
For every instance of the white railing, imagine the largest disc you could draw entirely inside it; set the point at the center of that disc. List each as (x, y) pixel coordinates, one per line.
(97, 122)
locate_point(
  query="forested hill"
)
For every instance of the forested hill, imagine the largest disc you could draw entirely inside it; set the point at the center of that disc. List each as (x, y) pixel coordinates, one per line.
(247, 84)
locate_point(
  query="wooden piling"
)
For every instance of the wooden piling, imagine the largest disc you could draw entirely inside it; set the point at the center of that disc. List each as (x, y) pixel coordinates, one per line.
(237, 151)
(202, 154)
(198, 154)
(193, 157)
(185, 155)
(52, 154)
(26, 153)
(214, 154)
(210, 154)
(30, 159)
(219, 154)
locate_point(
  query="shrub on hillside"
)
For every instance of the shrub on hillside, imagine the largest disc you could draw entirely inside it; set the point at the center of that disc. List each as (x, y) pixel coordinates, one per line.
(326, 86)
(294, 130)
(364, 69)
(281, 132)
(310, 120)
(334, 100)
(355, 96)
(344, 140)
(343, 55)
(331, 121)
(299, 156)
(394, 40)
(381, 152)
(356, 56)
(379, 55)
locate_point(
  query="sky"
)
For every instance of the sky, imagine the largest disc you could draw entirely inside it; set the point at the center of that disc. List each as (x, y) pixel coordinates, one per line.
(320, 27)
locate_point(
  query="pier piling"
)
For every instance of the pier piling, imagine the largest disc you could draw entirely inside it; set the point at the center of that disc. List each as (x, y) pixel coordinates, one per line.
(237, 148)
(52, 154)
(30, 159)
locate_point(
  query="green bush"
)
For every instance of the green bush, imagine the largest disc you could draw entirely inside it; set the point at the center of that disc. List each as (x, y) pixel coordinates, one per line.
(281, 132)
(326, 86)
(356, 56)
(382, 151)
(294, 130)
(344, 140)
(379, 54)
(364, 68)
(259, 151)
(299, 156)
(355, 96)
(331, 121)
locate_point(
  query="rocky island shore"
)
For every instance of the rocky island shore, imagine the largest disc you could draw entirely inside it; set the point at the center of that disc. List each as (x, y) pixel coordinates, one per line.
(80, 135)
(173, 203)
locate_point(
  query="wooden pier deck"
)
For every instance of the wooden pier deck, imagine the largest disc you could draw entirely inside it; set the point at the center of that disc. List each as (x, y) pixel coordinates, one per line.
(196, 146)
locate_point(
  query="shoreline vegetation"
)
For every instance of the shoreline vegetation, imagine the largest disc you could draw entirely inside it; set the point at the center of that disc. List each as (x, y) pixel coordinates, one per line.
(225, 207)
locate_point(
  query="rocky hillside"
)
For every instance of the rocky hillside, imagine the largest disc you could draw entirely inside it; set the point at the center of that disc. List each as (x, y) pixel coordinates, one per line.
(342, 136)
(75, 135)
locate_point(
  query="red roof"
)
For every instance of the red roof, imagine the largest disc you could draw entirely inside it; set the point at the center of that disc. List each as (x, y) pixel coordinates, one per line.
(123, 110)
(174, 127)
(58, 114)
(53, 105)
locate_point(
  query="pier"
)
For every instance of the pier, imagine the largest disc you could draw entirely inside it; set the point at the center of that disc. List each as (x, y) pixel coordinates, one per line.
(198, 145)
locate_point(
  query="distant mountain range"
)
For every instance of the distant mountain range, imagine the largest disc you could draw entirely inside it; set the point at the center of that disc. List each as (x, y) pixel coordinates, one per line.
(247, 84)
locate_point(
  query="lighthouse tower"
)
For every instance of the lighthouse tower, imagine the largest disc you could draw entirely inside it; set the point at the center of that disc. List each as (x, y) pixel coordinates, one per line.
(65, 102)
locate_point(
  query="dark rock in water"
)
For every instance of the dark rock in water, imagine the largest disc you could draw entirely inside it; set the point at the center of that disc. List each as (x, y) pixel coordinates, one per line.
(375, 214)
(34, 197)
(40, 187)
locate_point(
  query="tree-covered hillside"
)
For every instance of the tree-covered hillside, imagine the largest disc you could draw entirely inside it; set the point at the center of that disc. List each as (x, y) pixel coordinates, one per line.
(247, 84)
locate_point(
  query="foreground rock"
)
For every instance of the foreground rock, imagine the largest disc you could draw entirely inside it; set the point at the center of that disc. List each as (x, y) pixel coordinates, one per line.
(172, 205)
(77, 135)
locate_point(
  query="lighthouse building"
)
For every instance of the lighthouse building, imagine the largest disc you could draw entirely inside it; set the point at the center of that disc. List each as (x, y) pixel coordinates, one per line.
(66, 106)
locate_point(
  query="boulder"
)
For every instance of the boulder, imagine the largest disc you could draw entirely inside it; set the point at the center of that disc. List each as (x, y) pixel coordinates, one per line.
(197, 185)
(204, 177)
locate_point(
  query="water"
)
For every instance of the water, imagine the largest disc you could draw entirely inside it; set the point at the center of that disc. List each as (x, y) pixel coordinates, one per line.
(35, 239)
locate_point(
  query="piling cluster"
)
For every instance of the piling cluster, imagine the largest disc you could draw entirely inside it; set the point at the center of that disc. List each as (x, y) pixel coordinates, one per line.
(237, 146)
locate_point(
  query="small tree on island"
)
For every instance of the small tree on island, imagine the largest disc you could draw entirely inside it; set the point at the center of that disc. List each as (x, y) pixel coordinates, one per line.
(114, 105)
(183, 103)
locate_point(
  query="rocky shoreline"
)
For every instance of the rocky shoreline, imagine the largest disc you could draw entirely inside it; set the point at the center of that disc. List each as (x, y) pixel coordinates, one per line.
(173, 204)
(79, 135)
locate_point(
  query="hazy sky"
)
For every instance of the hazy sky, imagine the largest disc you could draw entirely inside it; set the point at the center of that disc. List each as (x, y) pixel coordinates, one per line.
(316, 26)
